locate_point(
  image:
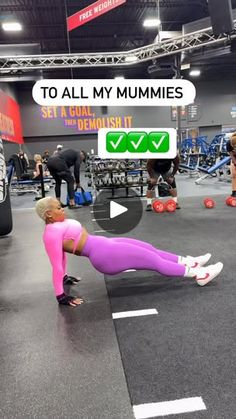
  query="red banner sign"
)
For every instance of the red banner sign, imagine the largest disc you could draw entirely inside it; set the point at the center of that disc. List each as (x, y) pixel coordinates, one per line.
(10, 121)
(91, 12)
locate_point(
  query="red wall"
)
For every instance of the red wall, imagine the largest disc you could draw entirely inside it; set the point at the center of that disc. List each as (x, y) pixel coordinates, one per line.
(10, 120)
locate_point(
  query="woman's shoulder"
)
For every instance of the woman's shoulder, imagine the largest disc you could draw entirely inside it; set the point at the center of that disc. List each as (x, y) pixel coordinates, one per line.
(55, 226)
(60, 225)
(71, 221)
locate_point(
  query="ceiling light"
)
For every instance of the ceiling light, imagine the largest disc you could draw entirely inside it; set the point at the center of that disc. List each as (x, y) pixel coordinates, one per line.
(185, 66)
(195, 73)
(119, 78)
(131, 59)
(151, 23)
(11, 26)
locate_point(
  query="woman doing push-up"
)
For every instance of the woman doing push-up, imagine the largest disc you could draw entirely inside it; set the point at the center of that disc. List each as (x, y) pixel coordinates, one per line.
(110, 255)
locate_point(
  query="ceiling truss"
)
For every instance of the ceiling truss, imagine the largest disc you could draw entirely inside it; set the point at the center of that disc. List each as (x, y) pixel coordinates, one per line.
(192, 41)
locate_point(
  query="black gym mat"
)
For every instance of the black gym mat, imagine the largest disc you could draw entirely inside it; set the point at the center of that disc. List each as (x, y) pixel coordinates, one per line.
(55, 361)
(189, 348)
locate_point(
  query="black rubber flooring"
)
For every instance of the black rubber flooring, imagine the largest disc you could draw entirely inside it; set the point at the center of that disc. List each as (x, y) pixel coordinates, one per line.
(61, 363)
(189, 348)
(55, 362)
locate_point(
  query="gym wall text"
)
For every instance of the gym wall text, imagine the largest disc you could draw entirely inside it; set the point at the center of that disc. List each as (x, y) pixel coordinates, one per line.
(83, 118)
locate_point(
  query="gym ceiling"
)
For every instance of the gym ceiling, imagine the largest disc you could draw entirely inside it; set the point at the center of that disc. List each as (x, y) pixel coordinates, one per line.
(44, 24)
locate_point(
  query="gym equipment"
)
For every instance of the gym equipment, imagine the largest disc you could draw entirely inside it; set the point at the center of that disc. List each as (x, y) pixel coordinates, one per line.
(209, 203)
(212, 169)
(131, 165)
(228, 200)
(5, 205)
(130, 180)
(158, 206)
(191, 151)
(163, 189)
(170, 205)
(24, 182)
(101, 167)
(122, 181)
(117, 166)
(114, 174)
(231, 201)
(197, 156)
(82, 198)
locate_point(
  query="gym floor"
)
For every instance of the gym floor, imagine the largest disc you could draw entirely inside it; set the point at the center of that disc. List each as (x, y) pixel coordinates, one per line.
(81, 363)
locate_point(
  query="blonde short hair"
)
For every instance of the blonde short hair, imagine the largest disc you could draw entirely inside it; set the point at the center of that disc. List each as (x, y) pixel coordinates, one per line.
(37, 157)
(43, 205)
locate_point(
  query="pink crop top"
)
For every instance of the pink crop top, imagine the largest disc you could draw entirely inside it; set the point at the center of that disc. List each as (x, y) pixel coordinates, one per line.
(53, 237)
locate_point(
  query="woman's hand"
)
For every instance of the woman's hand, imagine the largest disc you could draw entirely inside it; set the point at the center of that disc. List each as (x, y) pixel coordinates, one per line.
(76, 302)
(68, 300)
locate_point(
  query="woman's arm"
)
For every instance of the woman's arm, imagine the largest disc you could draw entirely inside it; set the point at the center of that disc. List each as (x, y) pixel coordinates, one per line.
(64, 263)
(54, 248)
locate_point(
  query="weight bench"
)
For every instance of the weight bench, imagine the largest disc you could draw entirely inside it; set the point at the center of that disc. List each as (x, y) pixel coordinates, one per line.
(212, 169)
(24, 182)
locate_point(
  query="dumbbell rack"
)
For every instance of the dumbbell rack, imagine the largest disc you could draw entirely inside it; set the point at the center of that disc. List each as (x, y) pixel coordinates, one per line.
(105, 174)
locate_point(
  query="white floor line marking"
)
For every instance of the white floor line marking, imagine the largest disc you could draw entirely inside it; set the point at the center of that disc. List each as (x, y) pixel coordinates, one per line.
(100, 219)
(134, 313)
(130, 270)
(103, 231)
(93, 212)
(151, 410)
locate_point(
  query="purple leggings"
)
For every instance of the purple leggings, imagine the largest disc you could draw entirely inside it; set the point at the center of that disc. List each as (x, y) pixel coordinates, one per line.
(114, 255)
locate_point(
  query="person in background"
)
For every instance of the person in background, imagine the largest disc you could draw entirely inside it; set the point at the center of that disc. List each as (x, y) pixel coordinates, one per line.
(24, 160)
(45, 156)
(231, 148)
(58, 150)
(59, 167)
(38, 161)
(167, 169)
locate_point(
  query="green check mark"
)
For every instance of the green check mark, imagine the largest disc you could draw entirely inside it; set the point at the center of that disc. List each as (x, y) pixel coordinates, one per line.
(137, 142)
(116, 142)
(159, 142)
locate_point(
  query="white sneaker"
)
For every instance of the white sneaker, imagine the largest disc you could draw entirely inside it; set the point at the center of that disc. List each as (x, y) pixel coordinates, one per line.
(208, 273)
(198, 261)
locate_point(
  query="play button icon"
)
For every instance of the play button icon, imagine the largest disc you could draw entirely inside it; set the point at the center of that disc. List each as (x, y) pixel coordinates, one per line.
(116, 209)
(115, 217)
